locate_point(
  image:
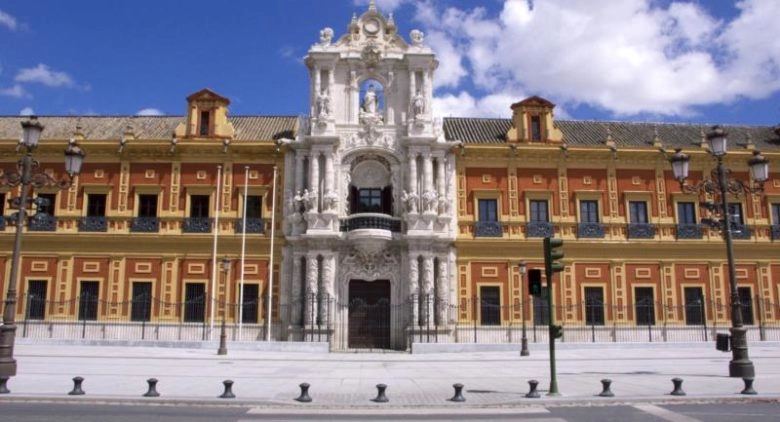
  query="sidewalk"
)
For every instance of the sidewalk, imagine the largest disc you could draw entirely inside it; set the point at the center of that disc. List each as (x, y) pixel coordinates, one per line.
(639, 373)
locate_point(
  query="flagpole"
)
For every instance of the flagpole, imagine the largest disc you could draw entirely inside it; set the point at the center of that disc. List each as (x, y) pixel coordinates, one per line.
(214, 252)
(243, 256)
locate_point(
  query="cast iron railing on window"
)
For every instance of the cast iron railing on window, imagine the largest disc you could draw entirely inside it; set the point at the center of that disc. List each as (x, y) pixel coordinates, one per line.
(370, 221)
(689, 231)
(196, 225)
(488, 229)
(641, 231)
(540, 229)
(145, 225)
(590, 230)
(253, 225)
(93, 224)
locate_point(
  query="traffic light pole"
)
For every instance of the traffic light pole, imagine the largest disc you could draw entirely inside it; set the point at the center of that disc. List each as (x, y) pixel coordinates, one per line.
(552, 265)
(553, 377)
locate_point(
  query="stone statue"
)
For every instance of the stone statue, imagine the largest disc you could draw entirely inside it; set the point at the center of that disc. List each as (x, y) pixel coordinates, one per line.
(418, 105)
(298, 202)
(326, 36)
(370, 100)
(417, 37)
(323, 103)
(409, 200)
(430, 201)
(309, 200)
(329, 201)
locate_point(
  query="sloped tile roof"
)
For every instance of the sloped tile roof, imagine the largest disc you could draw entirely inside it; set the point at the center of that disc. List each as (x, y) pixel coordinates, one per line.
(146, 127)
(624, 134)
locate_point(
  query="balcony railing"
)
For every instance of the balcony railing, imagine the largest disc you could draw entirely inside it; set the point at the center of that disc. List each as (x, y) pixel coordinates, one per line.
(488, 229)
(689, 231)
(253, 225)
(590, 230)
(370, 221)
(641, 231)
(93, 224)
(741, 231)
(540, 229)
(145, 225)
(41, 222)
(196, 225)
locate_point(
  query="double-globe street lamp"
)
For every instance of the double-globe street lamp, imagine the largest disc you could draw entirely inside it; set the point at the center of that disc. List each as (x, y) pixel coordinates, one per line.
(721, 185)
(523, 267)
(27, 178)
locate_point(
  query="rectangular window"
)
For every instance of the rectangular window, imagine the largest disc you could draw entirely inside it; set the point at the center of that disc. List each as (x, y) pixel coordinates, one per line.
(539, 213)
(746, 301)
(147, 205)
(490, 305)
(594, 306)
(686, 213)
(536, 128)
(735, 213)
(96, 205)
(254, 206)
(541, 309)
(776, 214)
(637, 212)
(694, 306)
(589, 211)
(205, 123)
(488, 210)
(370, 200)
(644, 306)
(199, 206)
(251, 301)
(46, 203)
(194, 302)
(142, 301)
(2, 203)
(36, 299)
(88, 300)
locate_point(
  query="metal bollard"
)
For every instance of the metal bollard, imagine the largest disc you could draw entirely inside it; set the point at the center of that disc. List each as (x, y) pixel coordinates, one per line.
(4, 386)
(77, 391)
(748, 387)
(605, 391)
(678, 391)
(532, 393)
(380, 393)
(228, 394)
(304, 397)
(152, 392)
(458, 397)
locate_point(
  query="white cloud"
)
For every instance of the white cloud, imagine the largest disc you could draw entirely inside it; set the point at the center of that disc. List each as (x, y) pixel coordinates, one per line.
(8, 21)
(465, 105)
(27, 111)
(385, 6)
(16, 91)
(149, 112)
(42, 74)
(628, 57)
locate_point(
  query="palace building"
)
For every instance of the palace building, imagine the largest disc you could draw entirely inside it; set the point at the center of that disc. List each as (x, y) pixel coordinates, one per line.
(371, 224)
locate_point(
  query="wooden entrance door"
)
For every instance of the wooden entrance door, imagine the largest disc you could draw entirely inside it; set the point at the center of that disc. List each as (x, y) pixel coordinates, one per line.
(369, 314)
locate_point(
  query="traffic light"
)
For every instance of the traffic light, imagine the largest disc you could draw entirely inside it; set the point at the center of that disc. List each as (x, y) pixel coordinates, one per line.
(552, 256)
(556, 331)
(535, 282)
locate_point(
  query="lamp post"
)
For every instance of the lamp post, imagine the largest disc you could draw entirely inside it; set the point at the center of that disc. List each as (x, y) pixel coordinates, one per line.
(722, 185)
(26, 178)
(523, 267)
(222, 350)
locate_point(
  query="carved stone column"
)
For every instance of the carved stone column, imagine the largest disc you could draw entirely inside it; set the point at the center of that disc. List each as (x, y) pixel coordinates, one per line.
(427, 297)
(412, 187)
(440, 164)
(329, 200)
(328, 288)
(314, 179)
(299, 157)
(442, 290)
(414, 276)
(312, 291)
(297, 288)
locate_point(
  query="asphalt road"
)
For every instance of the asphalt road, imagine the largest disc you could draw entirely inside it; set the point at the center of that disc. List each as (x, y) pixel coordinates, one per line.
(91, 412)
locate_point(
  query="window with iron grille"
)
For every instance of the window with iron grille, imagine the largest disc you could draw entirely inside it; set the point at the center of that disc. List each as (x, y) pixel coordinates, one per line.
(594, 306)
(88, 300)
(36, 299)
(194, 302)
(644, 306)
(746, 302)
(142, 301)
(250, 305)
(490, 305)
(694, 306)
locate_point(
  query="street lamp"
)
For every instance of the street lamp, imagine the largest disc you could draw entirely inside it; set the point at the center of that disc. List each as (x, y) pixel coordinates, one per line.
(222, 350)
(524, 341)
(27, 179)
(721, 185)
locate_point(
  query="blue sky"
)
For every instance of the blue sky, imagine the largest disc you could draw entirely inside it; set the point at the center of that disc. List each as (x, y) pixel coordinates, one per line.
(709, 61)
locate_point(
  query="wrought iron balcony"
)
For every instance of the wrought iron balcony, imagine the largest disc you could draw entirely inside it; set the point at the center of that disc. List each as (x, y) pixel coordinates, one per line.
(540, 229)
(253, 225)
(41, 222)
(93, 224)
(641, 231)
(370, 221)
(590, 230)
(196, 225)
(488, 229)
(145, 225)
(740, 231)
(689, 231)
(776, 232)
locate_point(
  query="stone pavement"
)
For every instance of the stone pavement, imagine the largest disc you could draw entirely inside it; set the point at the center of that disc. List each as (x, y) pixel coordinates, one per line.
(270, 379)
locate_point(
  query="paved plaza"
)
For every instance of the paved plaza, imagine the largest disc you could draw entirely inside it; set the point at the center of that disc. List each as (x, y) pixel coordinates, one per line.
(270, 379)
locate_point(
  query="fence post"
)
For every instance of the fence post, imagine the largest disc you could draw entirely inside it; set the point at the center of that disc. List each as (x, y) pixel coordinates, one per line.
(704, 319)
(84, 316)
(761, 332)
(26, 314)
(428, 318)
(474, 315)
(649, 325)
